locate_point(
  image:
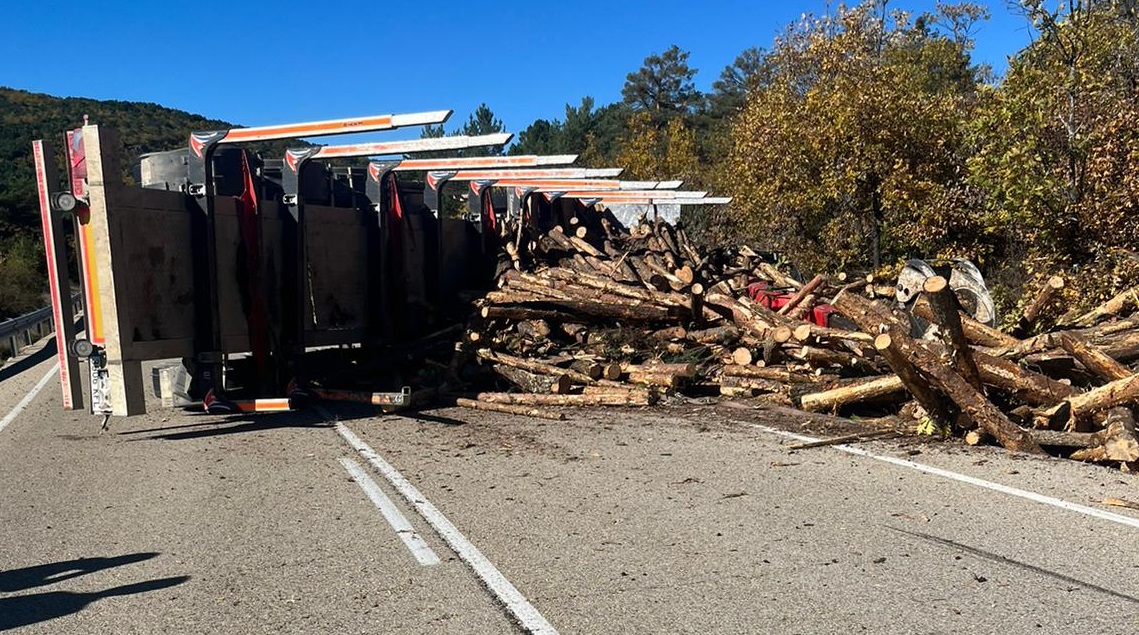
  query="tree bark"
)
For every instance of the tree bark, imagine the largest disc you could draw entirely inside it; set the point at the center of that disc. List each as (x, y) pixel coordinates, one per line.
(629, 398)
(527, 381)
(726, 335)
(902, 363)
(971, 402)
(1097, 362)
(975, 332)
(1119, 441)
(1128, 299)
(533, 366)
(1032, 312)
(1032, 388)
(1081, 407)
(773, 374)
(946, 315)
(832, 400)
(799, 296)
(525, 411)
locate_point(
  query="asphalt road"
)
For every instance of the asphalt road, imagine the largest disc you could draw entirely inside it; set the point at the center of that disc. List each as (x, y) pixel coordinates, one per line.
(698, 519)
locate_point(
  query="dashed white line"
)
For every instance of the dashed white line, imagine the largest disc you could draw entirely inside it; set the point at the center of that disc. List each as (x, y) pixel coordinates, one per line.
(11, 416)
(519, 607)
(965, 478)
(415, 543)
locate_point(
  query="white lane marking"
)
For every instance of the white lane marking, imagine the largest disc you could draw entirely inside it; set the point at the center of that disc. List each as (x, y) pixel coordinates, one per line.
(964, 478)
(506, 593)
(415, 543)
(11, 416)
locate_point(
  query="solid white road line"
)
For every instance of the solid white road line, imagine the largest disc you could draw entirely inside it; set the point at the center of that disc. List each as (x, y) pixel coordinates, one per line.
(527, 616)
(964, 478)
(415, 543)
(11, 416)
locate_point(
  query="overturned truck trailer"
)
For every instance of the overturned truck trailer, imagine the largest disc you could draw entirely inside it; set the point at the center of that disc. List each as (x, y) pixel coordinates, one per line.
(275, 281)
(253, 272)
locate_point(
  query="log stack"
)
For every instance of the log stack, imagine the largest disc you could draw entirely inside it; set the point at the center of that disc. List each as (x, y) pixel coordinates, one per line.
(590, 313)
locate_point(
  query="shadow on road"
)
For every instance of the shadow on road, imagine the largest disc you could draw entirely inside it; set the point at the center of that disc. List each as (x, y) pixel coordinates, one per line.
(23, 610)
(44, 574)
(419, 415)
(993, 557)
(12, 369)
(231, 425)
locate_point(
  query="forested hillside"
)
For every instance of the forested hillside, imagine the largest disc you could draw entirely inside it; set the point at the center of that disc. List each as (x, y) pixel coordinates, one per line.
(25, 117)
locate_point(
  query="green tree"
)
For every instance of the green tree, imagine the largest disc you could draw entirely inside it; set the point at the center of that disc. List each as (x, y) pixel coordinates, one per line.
(592, 134)
(850, 150)
(1057, 145)
(482, 122)
(540, 137)
(663, 86)
(729, 92)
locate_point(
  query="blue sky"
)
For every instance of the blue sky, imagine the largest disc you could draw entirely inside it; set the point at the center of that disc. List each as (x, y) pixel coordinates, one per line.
(260, 63)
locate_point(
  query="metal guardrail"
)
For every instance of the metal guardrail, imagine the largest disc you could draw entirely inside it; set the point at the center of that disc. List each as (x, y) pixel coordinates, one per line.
(26, 329)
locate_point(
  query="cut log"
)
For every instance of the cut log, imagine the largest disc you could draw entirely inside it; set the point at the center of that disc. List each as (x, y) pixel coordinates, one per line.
(742, 316)
(612, 307)
(668, 381)
(560, 239)
(1097, 362)
(1080, 408)
(523, 312)
(946, 315)
(968, 399)
(533, 366)
(1119, 441)
(525, 411)
(629, 392)
(976, 332)
(687, 371)
(742, 356)
(849, 438)
(1032, 388)
(827, 358)
(630, 398)
(871, 317)
(1048, 292)
(773, 374)
(1062, 439)
(719, 335)
(1126, 301)
(803, 292)
(777, 277)
(669, 333)
(891, 348)
(832, 400)
(1123, 347)
(830, 336)
(611, 371)
(977, 437)
(527, 381)
(696, 303)
(584, 247)
(586, 367)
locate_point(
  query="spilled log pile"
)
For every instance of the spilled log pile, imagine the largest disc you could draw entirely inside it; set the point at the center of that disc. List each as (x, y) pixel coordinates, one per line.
(590, 313)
